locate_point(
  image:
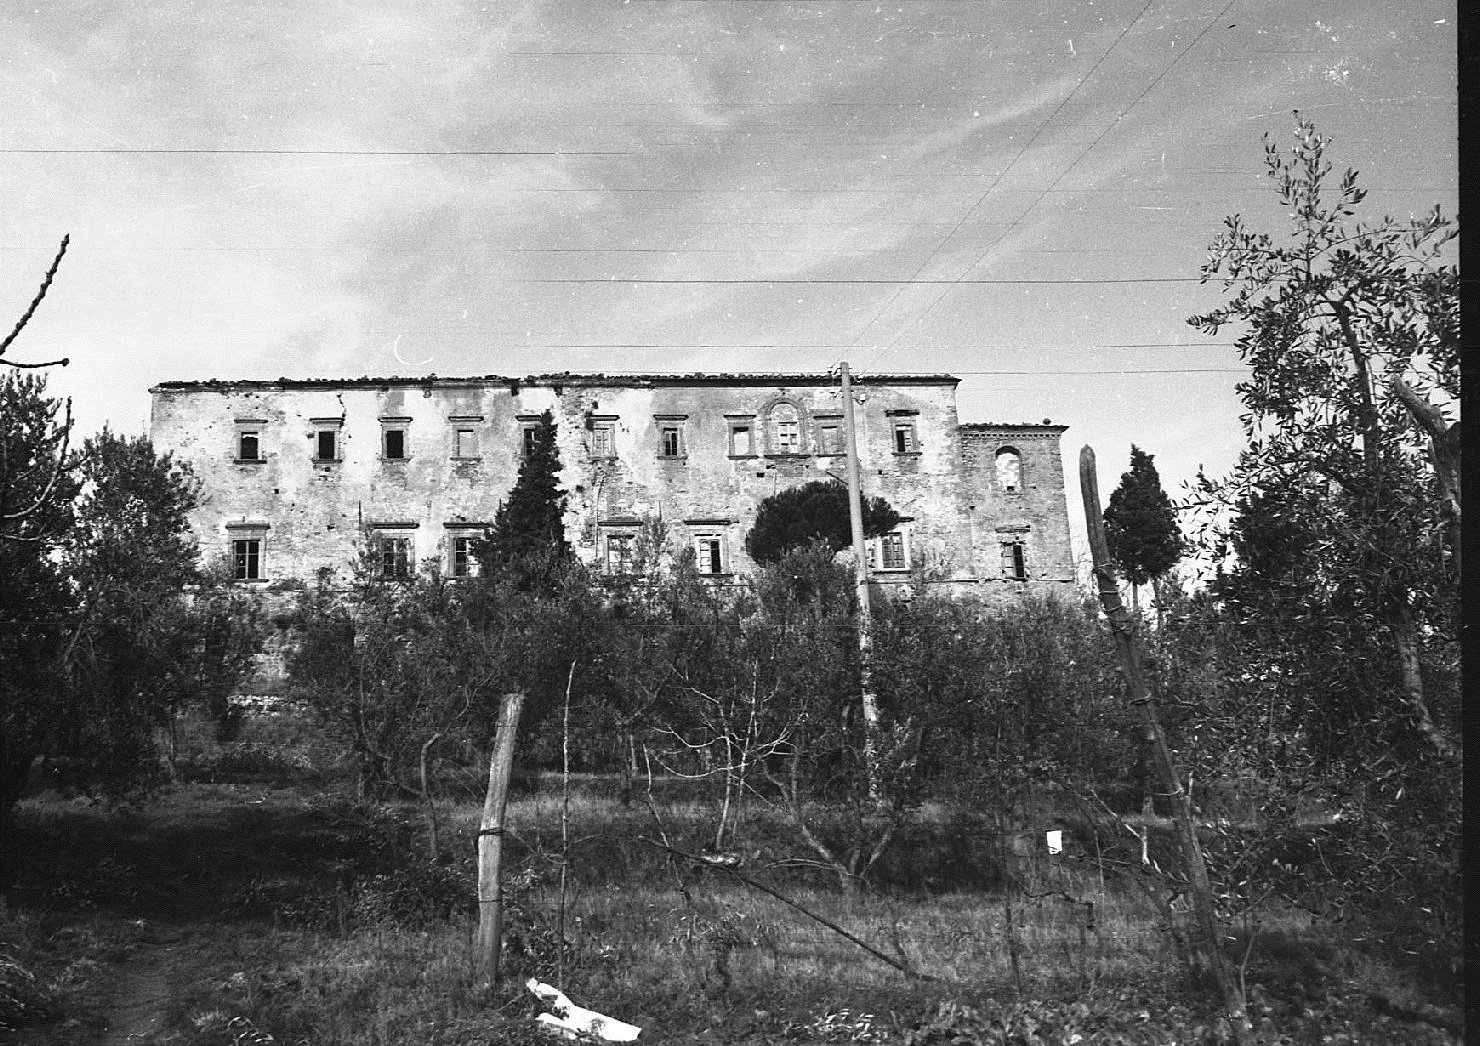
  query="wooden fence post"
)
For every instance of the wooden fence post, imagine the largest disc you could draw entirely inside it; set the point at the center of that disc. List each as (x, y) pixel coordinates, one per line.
(1140, 698)
(489, 939)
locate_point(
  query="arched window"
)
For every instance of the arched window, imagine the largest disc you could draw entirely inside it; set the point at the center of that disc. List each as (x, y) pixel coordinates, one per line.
(786, 429)
(1009, 471)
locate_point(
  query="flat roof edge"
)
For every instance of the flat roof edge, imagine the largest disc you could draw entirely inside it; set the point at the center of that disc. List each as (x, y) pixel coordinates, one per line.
(554, 379)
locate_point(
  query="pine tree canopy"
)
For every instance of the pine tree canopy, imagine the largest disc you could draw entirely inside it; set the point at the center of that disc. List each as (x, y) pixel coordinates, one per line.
(1140, 523)
(818, 511)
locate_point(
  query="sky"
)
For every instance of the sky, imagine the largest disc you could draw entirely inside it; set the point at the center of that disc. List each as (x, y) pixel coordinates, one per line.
(1018, 192)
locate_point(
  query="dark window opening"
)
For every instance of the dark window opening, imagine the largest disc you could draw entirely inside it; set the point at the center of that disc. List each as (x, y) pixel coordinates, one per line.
(530, 433)
(395, 557)
(395, 443)
(892, 548)
(249, 447)
(246, 554)
(709, 552)
(672, 446)
(1014, 562)
(463, 560)
(327, 445)
(904, 437)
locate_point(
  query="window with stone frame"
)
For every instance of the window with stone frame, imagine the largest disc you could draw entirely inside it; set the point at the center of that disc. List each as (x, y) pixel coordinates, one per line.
(891, 551)
(247, 546)
(394, 439)
(1014, 561)
(709, 554)
(326, 439)
(249, 442)
(786, 429)
(742, 436)
(393, 555)
(904, 437)
(529, 428)
(463, 562)
(1009, 471)
(671, 442)
(603, 441)
(830, 436)
(465, 443)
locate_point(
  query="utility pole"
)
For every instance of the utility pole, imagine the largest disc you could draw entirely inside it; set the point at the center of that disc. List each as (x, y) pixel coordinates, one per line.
(865, 617)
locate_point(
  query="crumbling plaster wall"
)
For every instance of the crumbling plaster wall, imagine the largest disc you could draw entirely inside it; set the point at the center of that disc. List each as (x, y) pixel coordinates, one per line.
(709, 489)
(1036, 513)
(315, 512)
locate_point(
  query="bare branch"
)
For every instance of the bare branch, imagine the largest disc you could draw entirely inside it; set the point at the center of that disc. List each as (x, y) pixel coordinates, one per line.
(36, 301)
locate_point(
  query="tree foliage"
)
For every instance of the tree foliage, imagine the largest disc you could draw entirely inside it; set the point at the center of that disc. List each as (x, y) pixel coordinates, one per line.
(1324, 657)
(122, 628)
(813, 512)
(530, 525)
(1141, 523)
(1331, 320)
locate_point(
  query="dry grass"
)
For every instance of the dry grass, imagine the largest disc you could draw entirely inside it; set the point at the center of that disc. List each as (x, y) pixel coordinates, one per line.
(308, 925)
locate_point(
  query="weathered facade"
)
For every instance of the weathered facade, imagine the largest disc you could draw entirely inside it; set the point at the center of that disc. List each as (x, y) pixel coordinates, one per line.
(299, 475)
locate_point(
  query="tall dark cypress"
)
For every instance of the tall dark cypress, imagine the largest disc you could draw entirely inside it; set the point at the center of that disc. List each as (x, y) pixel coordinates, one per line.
(531, 523)
(1141, 525)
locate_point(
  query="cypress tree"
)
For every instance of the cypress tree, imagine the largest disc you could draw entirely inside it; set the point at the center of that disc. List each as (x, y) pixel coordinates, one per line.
(1141, 525)
(530, 525)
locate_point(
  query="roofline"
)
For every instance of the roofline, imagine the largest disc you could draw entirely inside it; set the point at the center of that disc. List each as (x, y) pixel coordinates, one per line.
(552, 380)
(999, 426)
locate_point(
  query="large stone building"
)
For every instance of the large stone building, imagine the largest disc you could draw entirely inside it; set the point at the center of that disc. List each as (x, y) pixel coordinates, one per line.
(300, 474)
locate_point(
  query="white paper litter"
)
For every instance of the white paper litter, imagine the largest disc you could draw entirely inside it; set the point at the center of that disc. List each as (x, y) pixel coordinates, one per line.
(571, 1021)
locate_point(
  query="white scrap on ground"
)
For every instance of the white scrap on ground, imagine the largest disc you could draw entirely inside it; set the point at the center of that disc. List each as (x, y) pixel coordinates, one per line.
(571, 1021)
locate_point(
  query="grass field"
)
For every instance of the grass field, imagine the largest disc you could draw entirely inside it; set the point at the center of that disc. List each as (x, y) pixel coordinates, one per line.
(269, 908)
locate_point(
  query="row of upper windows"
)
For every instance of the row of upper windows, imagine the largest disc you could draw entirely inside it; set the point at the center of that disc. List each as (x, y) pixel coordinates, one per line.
(783, 436)
(780, 434)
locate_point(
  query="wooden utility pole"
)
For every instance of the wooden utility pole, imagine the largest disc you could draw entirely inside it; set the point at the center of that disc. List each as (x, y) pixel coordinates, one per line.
(490, 935)
(1140, 698)
(865, 617)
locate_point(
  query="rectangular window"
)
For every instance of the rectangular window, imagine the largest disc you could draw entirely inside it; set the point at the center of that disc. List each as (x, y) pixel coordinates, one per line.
(395, 444)
(466, 443)
(709, 553)
(464, 563)
(670, 446)
(904, 437)
(249, 445)
(395, 556)
(246, 559)
(788, 436)
(829, 438)
(326, 445)
(603, 443)
(621, 553)
(891, 551)
(1014, 562)
(741, 444)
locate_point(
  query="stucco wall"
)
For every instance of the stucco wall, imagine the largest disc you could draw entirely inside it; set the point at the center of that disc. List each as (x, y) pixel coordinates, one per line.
(313, 513)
